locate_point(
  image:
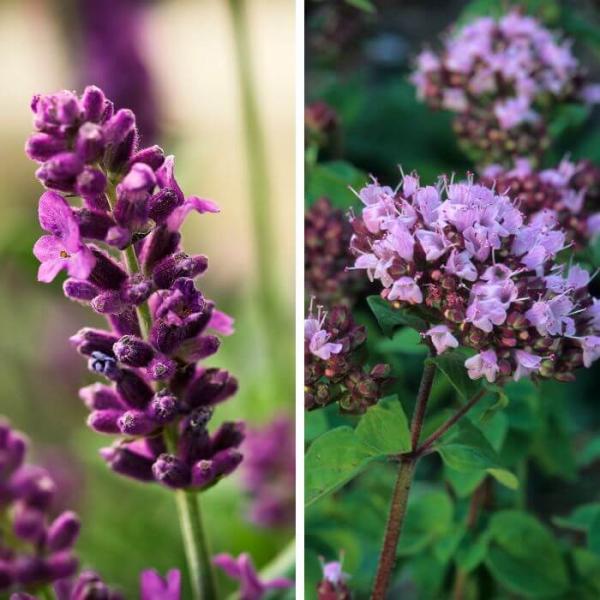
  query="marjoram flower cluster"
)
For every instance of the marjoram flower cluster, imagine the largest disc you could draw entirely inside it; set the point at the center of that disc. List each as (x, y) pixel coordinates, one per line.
(567, 195)
(334, 369)
(121, 248)
(481, 276)
(501, 78)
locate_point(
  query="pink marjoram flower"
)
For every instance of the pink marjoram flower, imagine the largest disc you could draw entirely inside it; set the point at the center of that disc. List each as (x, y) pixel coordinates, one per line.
(484, 364)
(442, 338)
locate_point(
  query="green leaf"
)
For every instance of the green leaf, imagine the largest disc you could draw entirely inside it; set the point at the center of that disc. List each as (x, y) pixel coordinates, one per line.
(590, 453)
(364, 5)
(524, 556)
(452, 364)
(581, 518)
(466, 449)
(472, 551)
(566, 117)
(384, 428)
(428, 518)
(404, 341)
(594, 535)
(333, 459)
(389, 318)
(333, 180)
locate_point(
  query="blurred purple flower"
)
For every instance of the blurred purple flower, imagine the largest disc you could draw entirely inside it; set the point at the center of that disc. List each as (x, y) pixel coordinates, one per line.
(268, 472)
(242, 569)
(155, 587)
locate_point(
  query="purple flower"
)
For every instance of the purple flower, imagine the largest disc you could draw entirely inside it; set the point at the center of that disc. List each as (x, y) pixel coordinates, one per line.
(268, 473)
(242, 569)
(481, 275)
(484, 364)
(590, 345)
(442, 338)
(318, 339)
(63, 248)
(158, 320)
(155, 587)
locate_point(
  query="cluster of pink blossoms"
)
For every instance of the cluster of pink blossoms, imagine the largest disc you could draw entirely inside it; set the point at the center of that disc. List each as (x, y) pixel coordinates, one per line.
(567, 195)
(480, 275)
(501, 77)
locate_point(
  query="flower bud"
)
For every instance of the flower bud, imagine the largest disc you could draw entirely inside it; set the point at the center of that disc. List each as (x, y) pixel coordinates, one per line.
(89, 144)
(93, 103)
(229, 435)
(135, 422)
(106, 274)
(153, 156)
(162, 204)
(42, 146)
(134, 390)
(119, 237)
(100, 397)
(178, 265)
(89, 340)
(161, 368)
(28, 524)
(211, 387)
(92, 224)
(62, 564)
(91, 182)
(33, 486)
(105, 421)
(133, 351)
(119, 126)
(79, 290)
(108, 302)
(163, 408)
(171, 471)
(63, 531)
(104, 365)
(128, 463)
(136, 290)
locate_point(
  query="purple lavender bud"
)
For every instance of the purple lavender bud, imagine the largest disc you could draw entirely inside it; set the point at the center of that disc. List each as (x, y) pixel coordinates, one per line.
(96, 202)
(79, 290)
(171, 471)
(153, 156)
(104, 365)
(117, 156)
(203, 474)
(130, 212)
(33, 485)
(52, 110)
(155, 445)
(42, 146)
(61, 564)
(6, 574)
(93, 103)
(119, 126)
(29, 524)
(133, 351)
(139, 182)
(30, 569)
(194, 442)
(161, 368)
(125, 323)
(162, 204)
(136, 422)
(229, 435)
(92, 224)
(89, 340)
(159, 244)
(89, 144)
(22, 596)
(119, 237)
(88, 586)
(106, 274)
(60, 171)
(63, 531)
(12, 452)
(100, 397)
(136, 290)
(108, 302)
(226, 461)
(91, 183)
(134, 390)
(163, 407)
(210, 387)
(178, 265)
(128, 463)
(105, 421)
(165, 337)
(201, 347)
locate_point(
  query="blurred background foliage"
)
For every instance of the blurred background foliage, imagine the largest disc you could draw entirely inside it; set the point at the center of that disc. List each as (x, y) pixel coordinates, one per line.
(358, 57)
(183, 72)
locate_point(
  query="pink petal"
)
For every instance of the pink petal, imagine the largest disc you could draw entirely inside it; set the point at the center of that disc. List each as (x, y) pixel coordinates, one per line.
(201, 205)
(49, 269)
(221, 323)
(48, 247)
(81, 263)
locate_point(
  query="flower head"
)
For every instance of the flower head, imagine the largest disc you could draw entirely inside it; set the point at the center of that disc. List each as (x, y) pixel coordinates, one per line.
(155, 587)
(494, 285)
(501, 77)
(160, 324)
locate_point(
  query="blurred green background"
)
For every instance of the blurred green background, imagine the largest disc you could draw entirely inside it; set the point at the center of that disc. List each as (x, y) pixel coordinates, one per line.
(358, 58)
(188, 49)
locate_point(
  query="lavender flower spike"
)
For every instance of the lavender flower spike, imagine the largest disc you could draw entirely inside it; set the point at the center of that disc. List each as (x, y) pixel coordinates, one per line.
(160, 325)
